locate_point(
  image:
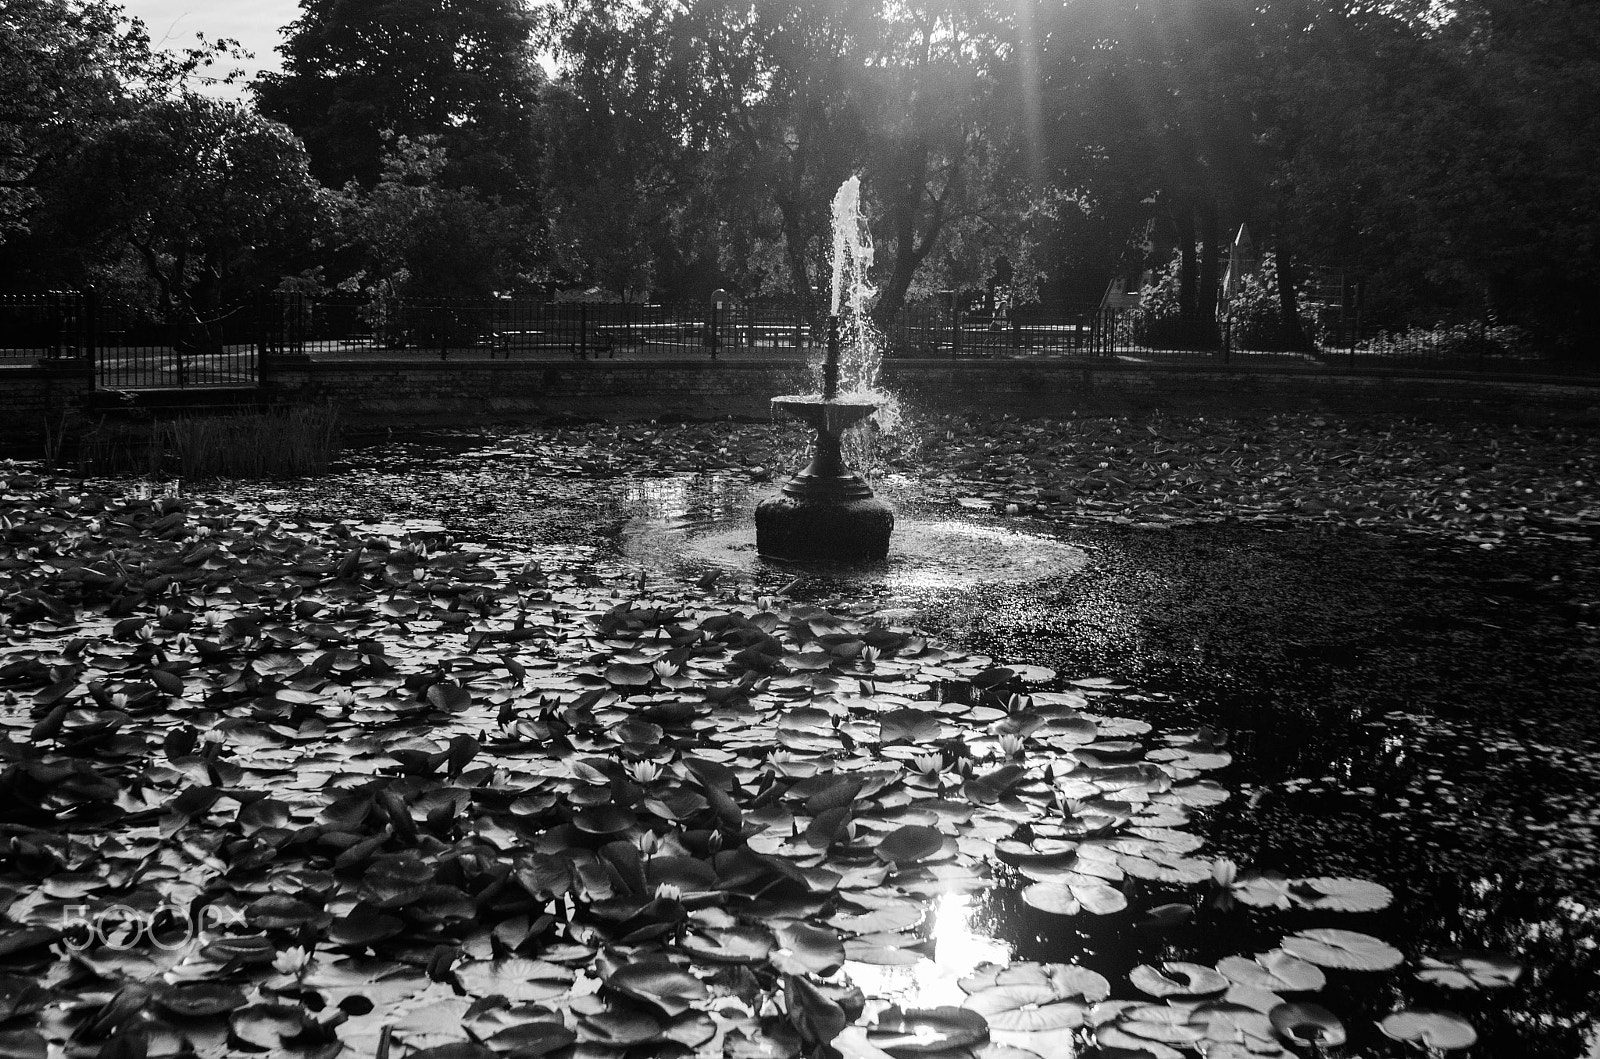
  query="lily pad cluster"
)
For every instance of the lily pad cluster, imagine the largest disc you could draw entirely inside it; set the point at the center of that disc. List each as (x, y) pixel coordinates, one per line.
(1480, 483)
(281, 786)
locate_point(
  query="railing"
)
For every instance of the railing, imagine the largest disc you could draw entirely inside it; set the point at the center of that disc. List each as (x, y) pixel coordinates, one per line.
(127, 348)
(130, 350)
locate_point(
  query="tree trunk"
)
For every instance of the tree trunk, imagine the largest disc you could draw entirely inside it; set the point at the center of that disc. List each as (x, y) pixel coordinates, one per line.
(1291, 334)
(906, 216)
(1188, 277)
(794, 247)
(1210, 257)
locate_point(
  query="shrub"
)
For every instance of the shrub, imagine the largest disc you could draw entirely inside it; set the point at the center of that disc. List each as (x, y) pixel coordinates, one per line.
(1457, 341)
(1252, 310)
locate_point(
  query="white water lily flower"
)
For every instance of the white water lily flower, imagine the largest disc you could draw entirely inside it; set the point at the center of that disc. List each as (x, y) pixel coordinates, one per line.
(668, 892)
(1011, 745)
(665, 669)
(295, 961)
(928, 764)
(644, 772)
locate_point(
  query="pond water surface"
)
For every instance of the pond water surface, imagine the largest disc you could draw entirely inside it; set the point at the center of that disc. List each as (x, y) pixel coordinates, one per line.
(1414, 710)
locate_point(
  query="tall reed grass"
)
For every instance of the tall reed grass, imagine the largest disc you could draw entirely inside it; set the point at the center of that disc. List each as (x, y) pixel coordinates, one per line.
(277, 443)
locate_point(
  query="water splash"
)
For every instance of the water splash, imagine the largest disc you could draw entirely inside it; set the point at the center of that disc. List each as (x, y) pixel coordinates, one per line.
(860, 344)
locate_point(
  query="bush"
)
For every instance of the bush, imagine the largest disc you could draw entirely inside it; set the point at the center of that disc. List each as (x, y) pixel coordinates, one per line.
(1252, 311)
(1459, 341)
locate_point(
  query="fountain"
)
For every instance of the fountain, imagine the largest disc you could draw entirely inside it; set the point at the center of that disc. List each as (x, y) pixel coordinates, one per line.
(826, 511)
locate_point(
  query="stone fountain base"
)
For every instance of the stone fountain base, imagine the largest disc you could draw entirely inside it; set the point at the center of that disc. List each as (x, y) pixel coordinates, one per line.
(825, 513)
(824, 529)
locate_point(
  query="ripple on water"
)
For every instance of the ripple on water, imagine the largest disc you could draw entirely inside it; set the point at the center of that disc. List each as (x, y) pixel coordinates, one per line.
(925, 554)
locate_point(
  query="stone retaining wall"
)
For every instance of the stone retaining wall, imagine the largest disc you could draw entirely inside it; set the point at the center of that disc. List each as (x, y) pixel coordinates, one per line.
(38, 403)
(1058, 388)
(399, 392)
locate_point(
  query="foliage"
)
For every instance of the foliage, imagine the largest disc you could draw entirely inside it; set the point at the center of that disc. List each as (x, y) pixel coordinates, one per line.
(1465, 342)
(355, 75)
(70, 67)
(199, 192)
(1252, 309)
(412, 234)
(403, 792)
(732, 127)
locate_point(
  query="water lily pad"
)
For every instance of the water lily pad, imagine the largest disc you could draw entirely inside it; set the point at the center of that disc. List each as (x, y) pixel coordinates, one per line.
(732, 945)
(909, 725)
(1307, 1025)
(1082, 894)
(1179, 979)
(813, 949)
(532, 1039)
(624, 674)
(1264, 890)
(1435, 1031)
(1455, 969)
(21, 996)
(262, 1027)
(1027, 1008)
(1277, 971)
(23, 1044)
(199, 999)
(1341, 895)
(668, 988)
(910, 844)
(604, 819)
(1346, 950)
(927, 1031)
(619, 1028)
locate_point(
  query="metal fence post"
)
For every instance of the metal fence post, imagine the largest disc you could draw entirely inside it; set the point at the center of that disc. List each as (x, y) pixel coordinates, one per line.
(91, 325)
(955, 330)
(583, 330)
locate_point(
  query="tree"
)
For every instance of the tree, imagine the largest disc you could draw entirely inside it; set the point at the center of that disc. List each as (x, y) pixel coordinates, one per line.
(410, 235)
(202, 194)
(69, 66)
(465, 71)
(1457, 173)
(753, 114)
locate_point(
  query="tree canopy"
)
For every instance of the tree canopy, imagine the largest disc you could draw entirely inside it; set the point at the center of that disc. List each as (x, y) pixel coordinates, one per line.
(1440, 151)
(356, 70)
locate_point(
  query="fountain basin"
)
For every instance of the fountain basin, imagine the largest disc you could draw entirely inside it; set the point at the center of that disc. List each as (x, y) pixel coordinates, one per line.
(826, 512)
(828, 528)
(832, 415)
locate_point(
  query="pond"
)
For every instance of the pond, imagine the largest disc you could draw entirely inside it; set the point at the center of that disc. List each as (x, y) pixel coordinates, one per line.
(1414, 709)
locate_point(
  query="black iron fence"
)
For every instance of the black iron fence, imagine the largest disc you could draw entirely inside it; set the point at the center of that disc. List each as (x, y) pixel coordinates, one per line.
(129, 349)
(508, 327)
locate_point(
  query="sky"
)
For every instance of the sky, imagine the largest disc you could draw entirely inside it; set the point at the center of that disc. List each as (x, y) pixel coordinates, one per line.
(253, 23)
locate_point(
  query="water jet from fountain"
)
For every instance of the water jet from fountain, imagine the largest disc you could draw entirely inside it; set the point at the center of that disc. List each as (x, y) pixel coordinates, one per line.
(827, 512)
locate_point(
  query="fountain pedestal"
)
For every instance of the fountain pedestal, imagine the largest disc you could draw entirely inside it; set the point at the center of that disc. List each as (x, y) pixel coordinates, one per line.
(825, 511)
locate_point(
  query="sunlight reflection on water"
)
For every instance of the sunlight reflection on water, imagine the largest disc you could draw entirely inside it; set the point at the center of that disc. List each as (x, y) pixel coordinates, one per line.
(960, 944)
